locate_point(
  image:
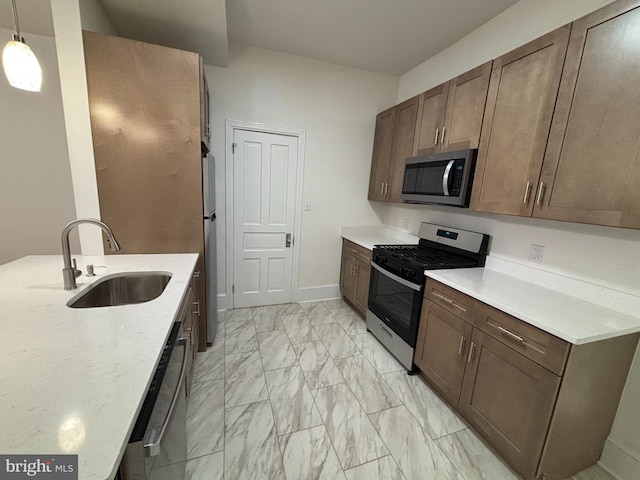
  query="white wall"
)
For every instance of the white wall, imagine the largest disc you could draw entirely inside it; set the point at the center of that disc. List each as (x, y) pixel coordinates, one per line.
(75, 99)
(36, 195)
(600, 255)
(337, 108)
(94, 18)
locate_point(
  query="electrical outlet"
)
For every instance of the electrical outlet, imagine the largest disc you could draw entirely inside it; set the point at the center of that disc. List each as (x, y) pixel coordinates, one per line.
(307, 206)
(536, 253)
(406, 224)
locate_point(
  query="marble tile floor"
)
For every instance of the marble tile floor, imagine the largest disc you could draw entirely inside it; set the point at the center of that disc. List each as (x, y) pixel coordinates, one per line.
(303, 392)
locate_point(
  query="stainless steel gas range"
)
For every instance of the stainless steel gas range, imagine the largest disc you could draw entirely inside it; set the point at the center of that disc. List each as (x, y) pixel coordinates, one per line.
(397, 282)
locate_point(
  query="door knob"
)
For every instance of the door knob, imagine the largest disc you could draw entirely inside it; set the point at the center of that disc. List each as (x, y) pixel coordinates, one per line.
(288, 240)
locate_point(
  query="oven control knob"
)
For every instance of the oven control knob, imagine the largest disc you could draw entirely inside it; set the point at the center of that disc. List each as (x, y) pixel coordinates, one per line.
(408, 272)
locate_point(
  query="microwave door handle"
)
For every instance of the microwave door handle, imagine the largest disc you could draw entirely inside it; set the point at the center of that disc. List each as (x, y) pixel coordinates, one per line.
(445, 178)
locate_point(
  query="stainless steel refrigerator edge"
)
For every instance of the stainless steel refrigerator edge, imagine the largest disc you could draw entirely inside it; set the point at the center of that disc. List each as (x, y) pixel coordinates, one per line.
(209, 200)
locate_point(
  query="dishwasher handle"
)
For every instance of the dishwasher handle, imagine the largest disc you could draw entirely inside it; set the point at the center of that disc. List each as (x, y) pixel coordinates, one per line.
(153, 438)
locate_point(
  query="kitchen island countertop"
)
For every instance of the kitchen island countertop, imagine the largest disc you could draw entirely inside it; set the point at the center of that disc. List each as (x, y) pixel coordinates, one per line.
(73, 380)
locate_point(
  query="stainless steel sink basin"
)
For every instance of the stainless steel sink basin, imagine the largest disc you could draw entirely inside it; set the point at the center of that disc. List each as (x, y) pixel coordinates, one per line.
(123, 289)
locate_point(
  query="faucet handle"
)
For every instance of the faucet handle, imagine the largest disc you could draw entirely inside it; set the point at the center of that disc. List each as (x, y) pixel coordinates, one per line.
(76, 272)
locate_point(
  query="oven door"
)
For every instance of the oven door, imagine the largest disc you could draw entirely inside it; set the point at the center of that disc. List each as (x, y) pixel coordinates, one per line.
(396, 301)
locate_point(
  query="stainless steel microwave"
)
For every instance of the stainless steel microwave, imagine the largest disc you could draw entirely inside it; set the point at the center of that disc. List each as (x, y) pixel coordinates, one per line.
(440, 178)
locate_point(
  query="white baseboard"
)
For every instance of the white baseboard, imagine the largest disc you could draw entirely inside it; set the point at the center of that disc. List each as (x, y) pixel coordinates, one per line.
(314, 294)
(619, 462)
(303, 294)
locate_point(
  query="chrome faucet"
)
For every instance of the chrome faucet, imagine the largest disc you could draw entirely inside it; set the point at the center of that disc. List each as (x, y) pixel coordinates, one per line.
(69, 273)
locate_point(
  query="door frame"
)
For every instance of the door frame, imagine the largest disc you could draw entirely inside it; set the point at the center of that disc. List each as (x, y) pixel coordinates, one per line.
(300, 135)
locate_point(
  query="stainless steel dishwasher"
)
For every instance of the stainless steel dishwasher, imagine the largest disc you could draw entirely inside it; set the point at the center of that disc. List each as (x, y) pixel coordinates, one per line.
(157, 448)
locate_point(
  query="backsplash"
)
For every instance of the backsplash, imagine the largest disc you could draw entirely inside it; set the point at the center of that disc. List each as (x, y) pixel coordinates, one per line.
(604, 256)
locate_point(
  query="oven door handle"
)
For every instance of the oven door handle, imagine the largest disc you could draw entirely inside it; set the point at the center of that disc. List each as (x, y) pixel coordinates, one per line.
(398, 279)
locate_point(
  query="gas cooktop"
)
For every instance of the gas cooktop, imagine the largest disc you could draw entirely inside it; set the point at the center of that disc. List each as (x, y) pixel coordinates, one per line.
(439, 247)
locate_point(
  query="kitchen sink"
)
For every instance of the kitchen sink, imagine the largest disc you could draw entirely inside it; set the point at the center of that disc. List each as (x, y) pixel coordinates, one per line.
(123, 289)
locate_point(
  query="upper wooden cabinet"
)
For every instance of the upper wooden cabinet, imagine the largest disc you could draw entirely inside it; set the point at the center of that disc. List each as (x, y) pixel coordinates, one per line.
(522, 94)
(591, 169)
(395, 130)
(450, 115)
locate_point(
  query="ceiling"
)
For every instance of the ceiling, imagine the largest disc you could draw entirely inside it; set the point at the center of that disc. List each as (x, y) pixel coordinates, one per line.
(194, 25)
(388, 36)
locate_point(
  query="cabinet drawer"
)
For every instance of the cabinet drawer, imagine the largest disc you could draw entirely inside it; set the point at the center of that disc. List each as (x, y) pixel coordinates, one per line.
(451, 300)
(541, 347)
(357, 251)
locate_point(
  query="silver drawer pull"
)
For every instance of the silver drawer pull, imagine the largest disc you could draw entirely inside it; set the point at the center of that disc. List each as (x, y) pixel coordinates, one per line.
(461, 347)
(436, 140)
(512, 335)
(472, 351)
(443, 298)
(197, 304)
(540, 193)
(527, 192)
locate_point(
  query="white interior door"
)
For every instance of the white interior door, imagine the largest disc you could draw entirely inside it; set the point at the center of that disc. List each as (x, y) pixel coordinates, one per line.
(264, 192)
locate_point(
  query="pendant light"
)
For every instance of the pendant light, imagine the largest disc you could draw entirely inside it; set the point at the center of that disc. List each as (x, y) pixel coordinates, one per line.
(20, 64)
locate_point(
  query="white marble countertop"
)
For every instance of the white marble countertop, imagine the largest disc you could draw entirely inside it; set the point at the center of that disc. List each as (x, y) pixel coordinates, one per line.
(367, 237)
(73, 380)
(566, 316)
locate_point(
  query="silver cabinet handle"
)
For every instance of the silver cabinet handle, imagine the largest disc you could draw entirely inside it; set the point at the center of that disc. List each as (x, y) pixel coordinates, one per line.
(435, 142)
(512, 335)
(154, 437)
(472, 351)
(196, 274)
(527, 192)
(382, 188)
(443, 298)
(386, 188)
(197, 305)
(461, 347)
(442, 139)
(540, 193)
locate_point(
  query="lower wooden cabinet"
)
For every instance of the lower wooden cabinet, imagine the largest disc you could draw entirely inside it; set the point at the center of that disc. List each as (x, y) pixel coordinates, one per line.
(443, 340)
(509, 399)
(189, 323)
(355, 272)
(544, 405)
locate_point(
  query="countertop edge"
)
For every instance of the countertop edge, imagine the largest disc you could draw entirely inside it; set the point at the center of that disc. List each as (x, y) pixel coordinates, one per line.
(531, 320)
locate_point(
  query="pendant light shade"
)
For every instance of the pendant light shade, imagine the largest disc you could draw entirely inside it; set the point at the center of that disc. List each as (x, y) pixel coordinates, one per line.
(21, 66)
(20, 63)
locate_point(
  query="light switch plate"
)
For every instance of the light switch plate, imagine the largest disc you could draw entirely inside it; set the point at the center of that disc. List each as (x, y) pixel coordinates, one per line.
(536, 253)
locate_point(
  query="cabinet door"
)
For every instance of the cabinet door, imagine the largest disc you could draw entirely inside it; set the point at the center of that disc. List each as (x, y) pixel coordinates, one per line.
(522, 94)
(361, 295)
(348, 276)
(205, 122)
(403, 137)
(509, 399)
(382, 146)
(465, 109)
(432, 107)
(443, 340)
(187, 319)
(591, 171)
